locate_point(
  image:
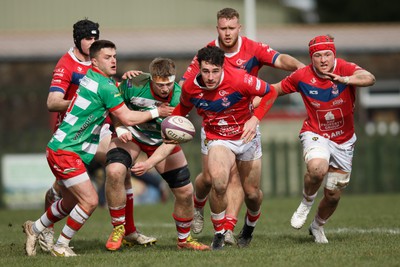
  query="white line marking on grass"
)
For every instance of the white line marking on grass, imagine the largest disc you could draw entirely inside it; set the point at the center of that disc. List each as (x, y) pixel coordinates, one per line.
(392, 231)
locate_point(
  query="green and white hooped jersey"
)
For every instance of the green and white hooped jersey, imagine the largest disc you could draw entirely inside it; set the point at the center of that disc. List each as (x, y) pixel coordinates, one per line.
(80, 130)
(138, 95)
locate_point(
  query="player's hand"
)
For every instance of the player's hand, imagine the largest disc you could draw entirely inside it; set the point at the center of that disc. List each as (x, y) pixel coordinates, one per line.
(123, 134)
(250, 129)
(126, 137)
(164, 110)
(333, 77)
(131, 74)
(140, 168)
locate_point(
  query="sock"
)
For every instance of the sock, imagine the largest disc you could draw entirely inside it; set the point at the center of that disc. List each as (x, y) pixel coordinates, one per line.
(52, 215)
(182, 227)
(75, 221)
(252, 217)
(230, 223)
(117, 215)
(130, 222)
(218, 222)
(199, 203)
(318, 221)
(308, 200)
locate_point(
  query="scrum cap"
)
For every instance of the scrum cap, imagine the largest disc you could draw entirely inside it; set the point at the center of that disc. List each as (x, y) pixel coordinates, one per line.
(83, 29)
(322, 42)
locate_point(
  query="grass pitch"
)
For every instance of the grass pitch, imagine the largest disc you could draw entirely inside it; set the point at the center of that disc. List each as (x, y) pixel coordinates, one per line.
(364, 231)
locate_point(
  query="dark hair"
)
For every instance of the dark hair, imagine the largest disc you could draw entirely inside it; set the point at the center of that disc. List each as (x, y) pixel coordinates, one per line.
(83, 29)
(211, 54)
(227, 13)
(98, 45)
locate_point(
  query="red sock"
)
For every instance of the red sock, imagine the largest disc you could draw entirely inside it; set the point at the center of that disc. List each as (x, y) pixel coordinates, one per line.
(230, 223)
(199, 204)
(130, 222)
(182, 227)
(251, 220)
(117, 216)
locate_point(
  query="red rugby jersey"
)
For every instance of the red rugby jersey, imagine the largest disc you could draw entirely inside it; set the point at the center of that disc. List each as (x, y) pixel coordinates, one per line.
(330, 106)
(225, 109)
(250, 56)
(66, 77)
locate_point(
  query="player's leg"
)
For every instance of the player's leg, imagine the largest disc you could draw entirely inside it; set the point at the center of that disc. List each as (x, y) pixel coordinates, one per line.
(250, 173)
(175, 172)
(202, 187)
(316, 155)
(235, 197)
(82, 199)
(79, 201)
(132, 235)
(220, 162)
(119, 160)
(336, 181)
(46, 237)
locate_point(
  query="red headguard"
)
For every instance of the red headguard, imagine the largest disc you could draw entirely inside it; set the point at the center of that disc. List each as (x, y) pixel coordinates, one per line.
(322, 42)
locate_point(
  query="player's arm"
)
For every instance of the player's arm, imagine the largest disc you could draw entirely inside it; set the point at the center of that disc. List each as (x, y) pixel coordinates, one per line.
(287, 62)
(132, 117)
(159, 155)
(359, 78)
(56, 102)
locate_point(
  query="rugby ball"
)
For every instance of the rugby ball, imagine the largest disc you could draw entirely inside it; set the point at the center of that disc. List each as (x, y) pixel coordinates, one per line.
(178, 128)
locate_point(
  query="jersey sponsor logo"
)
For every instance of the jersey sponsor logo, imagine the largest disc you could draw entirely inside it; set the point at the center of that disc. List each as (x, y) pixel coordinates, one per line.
(79, 68)
(337, 102)
(313, 92)
(333, 134)
(56, 81)
(315, 104)
(84, 126)
(258, 85)
(58, 74)
(248, 79)
(330, 120)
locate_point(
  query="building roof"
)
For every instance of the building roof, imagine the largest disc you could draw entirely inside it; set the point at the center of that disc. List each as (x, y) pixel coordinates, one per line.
(353, 38)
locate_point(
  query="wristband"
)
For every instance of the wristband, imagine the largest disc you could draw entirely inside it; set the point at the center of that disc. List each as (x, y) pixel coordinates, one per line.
(120, 130)
(154, 113)
(346, 80)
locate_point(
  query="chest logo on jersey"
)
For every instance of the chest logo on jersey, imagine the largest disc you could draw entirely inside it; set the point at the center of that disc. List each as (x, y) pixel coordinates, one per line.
(225, 102)
(240, 62)
(313, 80)
(330, 120)
(335, 90)
(222, 93)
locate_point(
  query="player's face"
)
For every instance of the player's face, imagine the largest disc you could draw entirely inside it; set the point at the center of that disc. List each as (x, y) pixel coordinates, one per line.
(162, 89)
(86, 43)
(228, 33)
(323, 61)
(210, 74)
(106, 61)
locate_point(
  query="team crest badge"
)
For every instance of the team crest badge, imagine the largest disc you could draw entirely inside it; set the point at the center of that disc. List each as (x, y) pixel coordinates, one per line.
(335, 90)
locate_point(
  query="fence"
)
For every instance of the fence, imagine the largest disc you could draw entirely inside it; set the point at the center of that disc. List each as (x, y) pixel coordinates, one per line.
(376, 166)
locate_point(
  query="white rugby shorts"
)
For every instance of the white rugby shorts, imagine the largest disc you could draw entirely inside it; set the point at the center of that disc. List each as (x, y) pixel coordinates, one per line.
(339, 156)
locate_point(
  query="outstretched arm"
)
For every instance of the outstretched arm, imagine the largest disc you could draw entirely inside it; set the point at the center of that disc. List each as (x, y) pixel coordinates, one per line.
(286, 62)
(359, 78)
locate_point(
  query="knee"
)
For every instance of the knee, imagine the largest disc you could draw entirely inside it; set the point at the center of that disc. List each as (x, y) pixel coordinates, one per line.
(317, 169)
(184, 194)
